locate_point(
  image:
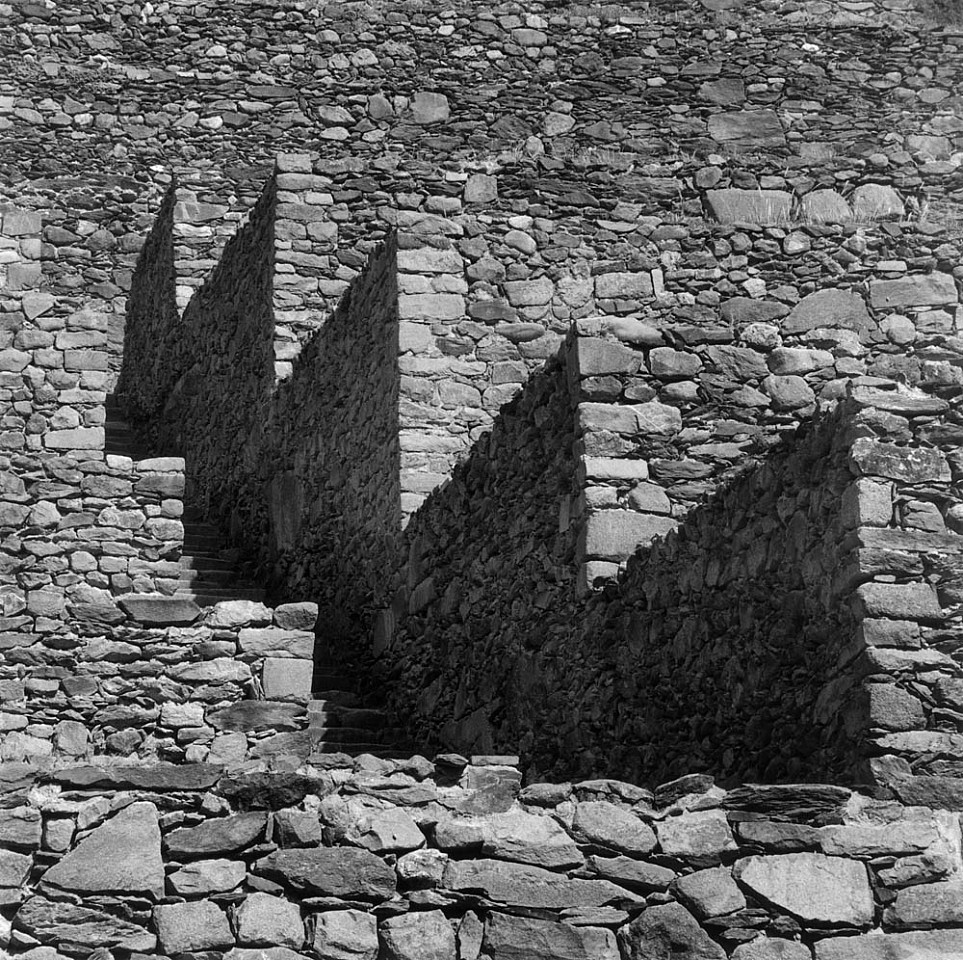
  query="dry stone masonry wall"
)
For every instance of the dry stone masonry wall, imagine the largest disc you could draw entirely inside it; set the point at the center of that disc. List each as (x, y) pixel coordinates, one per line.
(449, 859)
(498, 332)
(78, 528)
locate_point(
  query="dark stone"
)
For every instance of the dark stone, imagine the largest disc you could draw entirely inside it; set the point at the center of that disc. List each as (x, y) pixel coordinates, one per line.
(217, 836)
(158, 776)
(61, 923)
(256, 715)
(267, 791)
(333, 871)
(161, 611)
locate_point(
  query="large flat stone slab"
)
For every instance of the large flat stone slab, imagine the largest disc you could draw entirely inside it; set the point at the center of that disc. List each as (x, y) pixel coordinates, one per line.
(824, 891)
(56, 922)
(765, 207)
(331, 871)
(526, 886)
(160, 611)
(217, 836)
(926, 290)
(747, 127)
(122, 856)
(157, 776)
(833, 308)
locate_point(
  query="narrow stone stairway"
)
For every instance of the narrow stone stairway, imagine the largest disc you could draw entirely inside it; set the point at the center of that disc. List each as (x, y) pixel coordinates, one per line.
(338, 721)
(209, 571)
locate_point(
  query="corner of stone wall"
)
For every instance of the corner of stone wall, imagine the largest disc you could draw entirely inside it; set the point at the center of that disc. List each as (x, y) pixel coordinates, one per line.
(617, 508)
(905, 519)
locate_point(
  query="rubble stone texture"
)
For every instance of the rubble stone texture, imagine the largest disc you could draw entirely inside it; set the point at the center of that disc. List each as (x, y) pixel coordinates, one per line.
(589, 380)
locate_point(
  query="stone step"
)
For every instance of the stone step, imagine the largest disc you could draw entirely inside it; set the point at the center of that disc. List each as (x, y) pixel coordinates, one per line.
(398, 750)
(321, 713)
(347, 698)
(384, 737)
(194, 561)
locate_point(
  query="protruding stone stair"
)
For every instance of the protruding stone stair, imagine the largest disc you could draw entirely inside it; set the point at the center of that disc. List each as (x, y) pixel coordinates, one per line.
(208, 572)
(339, 724)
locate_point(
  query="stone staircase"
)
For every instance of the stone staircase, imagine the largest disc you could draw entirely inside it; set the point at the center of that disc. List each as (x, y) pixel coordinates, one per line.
(338, 721)
(209, 571)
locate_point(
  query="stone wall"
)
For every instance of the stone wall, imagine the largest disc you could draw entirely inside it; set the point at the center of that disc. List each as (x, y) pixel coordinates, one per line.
(745, 641)
(78, 528)
(448, 859)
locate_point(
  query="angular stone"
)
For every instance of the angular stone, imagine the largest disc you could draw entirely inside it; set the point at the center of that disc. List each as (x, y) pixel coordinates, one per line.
(745, 310)
(724, 92)
(203, 877)
(764, 207)
(928, 905)
(529, 838)
(893, 708)
(431, 306)
(217, 835)
(526, 886)
(195, 925)
(824, 206)
(302, 615)
(160, 611)
(424, 259)
(911, 464)
(611, 468)
(255, 716)
(667, 931)
(628, 872)
(749, 127)
(815, 888)
(480, 188)
(219, 670)
(287, 679)
(429, 108)
(14, 868)
(276, 642)
(263, 953)
(739, 363)
(669, 364)
(422, 935)
(266, 920)
(346, 935)
(831, 308)
(239, 613)
(898, 601)
(80, 438)
(56, 923)
(703, 834)
(710, 893)
(623, 286)
(617, 534)
(789, 360)
(121, 856)
(20, 827)
(918, 945)
(523, 938)
(156, 776)
(771, 948)
(529, 293)
(391, 831)
(594, 357)
(871, 201)
(928, 290)
(333, 871)
(604, 824)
